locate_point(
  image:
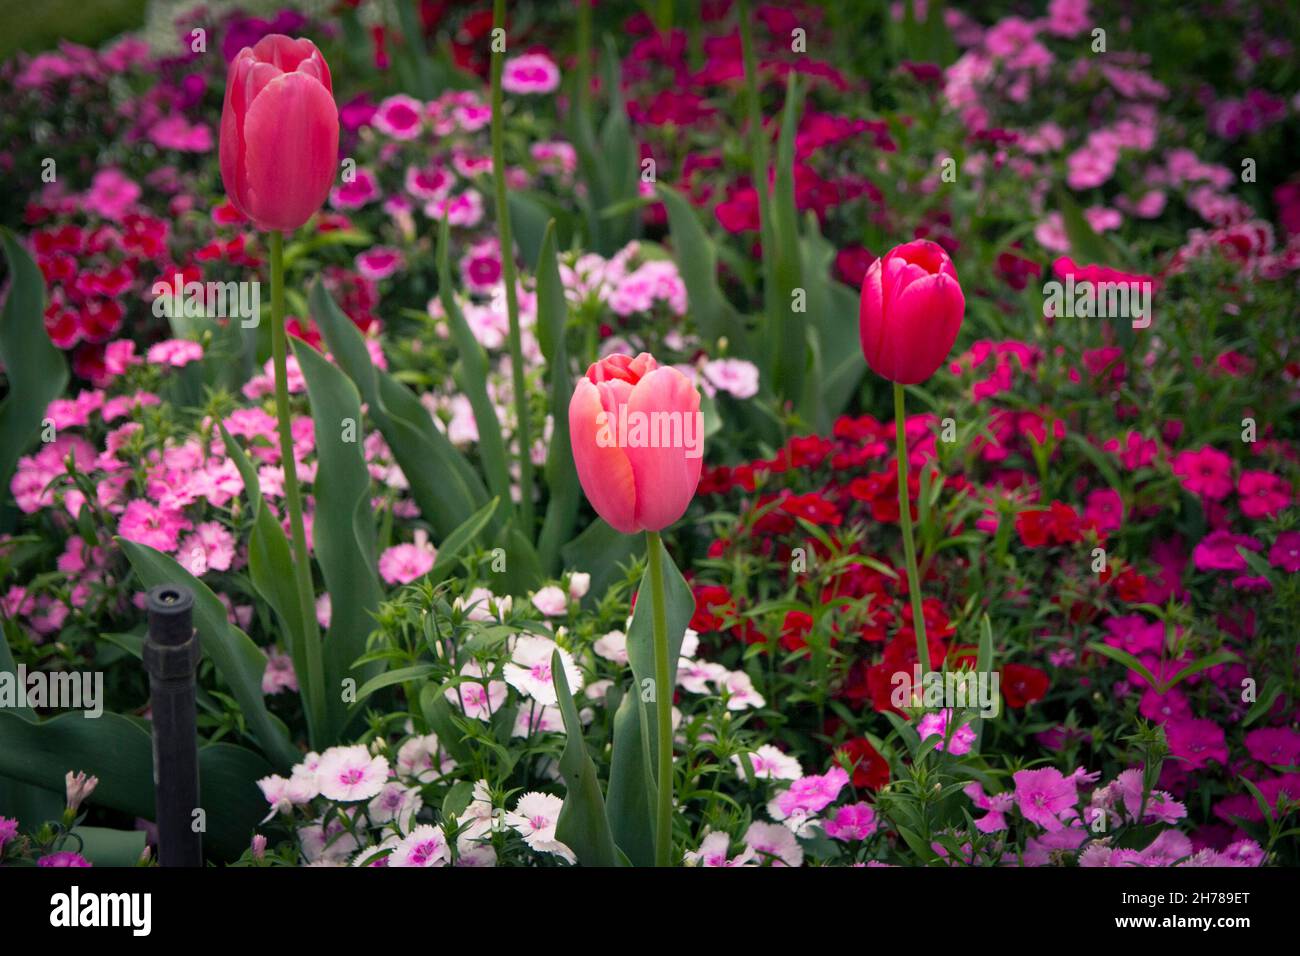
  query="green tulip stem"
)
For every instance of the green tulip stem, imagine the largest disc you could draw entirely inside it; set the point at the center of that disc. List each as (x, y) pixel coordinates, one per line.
(293, 495)
(508, 277)
(663, 704)
(909, 545)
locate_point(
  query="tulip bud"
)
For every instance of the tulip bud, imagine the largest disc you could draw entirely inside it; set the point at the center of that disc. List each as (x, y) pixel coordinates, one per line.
(910, 312)
(638, 441)
(279, 132)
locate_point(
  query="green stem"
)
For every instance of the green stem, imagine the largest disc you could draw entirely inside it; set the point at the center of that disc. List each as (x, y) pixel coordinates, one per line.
(508, 276)
(584, 57)
(758, 155)
(315, 678)
(905, 519)
(757, 142)
(663, 704)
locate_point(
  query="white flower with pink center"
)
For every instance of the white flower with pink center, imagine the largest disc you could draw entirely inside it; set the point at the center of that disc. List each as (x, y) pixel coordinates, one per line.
(740, 691)
(774, 844)
(770, 764)
(479, 818)
(465, 210)
(474, 853)
(478, 699)
(472, 117)
(421, 759)
(529, 670)
(380, 262)
(537, 720)
(377, 855)
(429, 183)
(363, 189)
(470, 166)
(351, 773)
(529, 74)
(480, 267)
(327, 844)
(396, 803)
(713, 853)
(534, 818)
(399, 116)
(426, 845)
(694, 677)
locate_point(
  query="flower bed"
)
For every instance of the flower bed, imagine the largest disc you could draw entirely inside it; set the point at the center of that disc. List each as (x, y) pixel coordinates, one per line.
(261, 341)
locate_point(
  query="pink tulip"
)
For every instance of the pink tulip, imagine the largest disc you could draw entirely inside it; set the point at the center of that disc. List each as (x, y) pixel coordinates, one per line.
(638, 441)
(910, 312)
(279, 132)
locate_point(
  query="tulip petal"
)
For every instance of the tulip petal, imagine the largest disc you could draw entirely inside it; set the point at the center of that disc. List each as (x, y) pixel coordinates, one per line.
(291, 144)
(290, 54)
(603, 469)
(928, 314)
(666, 478)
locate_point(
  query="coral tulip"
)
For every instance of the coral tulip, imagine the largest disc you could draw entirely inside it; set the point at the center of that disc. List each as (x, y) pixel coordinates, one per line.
(910, 312)
(638, 440)
(638, 444)
(279, 132)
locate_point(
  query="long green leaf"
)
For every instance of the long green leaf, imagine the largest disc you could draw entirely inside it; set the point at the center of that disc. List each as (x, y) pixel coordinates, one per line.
(390, 678)
(472, 378)
(106, 847)
(238, 660)
(832, 330)
(561, 473)
(787, 335)
(697, 261)
(528, 217)
(600, 551)
(439, 716)
(343, 532)
(442, 482)
(455, 544)
(583, 825)
(34, 367)
(118, 750)
(7, 667)
(1125, 658)
(630, 812)
(270, 567)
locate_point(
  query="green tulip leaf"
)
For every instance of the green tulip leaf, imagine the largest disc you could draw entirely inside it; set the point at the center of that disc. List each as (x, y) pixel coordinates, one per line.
(583, 825)
(343, 532)
(33, 366)
(238, 660)
(629, 803)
